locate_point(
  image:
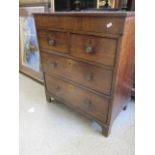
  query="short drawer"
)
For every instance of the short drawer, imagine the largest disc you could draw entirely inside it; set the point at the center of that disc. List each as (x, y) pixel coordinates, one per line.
(106, 25)
(58, 22)
(93, 77)
(92, 104)
(92, 48)
(53, 40)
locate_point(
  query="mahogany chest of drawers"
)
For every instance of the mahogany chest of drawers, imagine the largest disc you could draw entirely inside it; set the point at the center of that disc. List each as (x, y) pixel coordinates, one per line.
(88, 60)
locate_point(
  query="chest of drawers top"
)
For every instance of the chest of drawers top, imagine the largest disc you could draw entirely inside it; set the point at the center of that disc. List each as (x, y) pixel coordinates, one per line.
(89, 36)
(107, 23)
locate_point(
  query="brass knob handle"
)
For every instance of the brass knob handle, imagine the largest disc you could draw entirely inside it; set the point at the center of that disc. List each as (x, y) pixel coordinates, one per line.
(57, 87)
(88, 104)
(89, 49)
(51, 42)
(54, 65)
(89, 77)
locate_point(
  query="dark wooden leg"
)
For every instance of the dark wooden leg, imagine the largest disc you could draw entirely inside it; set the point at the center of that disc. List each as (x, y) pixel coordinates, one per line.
(106, 131)
(48, 98)
(125, 107)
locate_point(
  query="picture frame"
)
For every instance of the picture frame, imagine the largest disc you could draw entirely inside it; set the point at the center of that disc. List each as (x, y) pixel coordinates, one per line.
(93, 5)
(29, 57)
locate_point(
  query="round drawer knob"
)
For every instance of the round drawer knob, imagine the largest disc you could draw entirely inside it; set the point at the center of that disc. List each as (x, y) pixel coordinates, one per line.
(54, 65)
(57, 87)
(89, 49)
(51, 42)
(89, 77)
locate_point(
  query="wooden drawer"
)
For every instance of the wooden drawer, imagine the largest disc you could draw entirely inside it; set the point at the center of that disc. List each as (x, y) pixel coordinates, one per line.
(88, 102)
(61, 22)
(97, 49)
(99, 24)
(110, 25)
(53, 40)
(96, 78)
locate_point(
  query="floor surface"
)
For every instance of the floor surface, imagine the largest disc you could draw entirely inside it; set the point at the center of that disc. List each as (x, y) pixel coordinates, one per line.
(55, 129)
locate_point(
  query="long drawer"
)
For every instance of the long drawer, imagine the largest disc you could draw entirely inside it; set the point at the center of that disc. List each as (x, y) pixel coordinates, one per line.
(110, 25)
(92, 48)
(96, 78)
(92, 104)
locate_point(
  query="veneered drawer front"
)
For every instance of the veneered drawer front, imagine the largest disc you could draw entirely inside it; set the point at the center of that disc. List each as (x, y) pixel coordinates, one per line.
(96, 78)
(99, 24)
(88, 102)
(53, 40)
(59, 22)
(96, 49)
(107, 25)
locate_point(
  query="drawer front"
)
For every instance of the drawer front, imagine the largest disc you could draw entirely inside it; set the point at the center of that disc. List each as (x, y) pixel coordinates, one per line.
(97, 49)
(96, 78)
(53, 40)
(88, 102)
(58, 22)
(106, 25)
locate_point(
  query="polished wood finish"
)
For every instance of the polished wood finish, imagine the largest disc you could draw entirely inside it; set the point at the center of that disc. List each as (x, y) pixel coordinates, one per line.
(93, 72)
(97, 49)
(53, 40)
(124, 69)
(83, 73)
(88, 102)
(103, 25)
(58, 23)
(80, 23)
